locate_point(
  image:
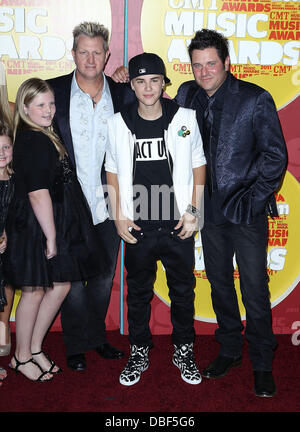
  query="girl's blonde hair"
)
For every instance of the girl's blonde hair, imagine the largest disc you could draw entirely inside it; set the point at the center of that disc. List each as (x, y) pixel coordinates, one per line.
(5, 111)
(28, 90)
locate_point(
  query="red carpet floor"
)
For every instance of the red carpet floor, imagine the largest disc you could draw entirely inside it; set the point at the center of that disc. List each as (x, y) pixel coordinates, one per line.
(160, 389)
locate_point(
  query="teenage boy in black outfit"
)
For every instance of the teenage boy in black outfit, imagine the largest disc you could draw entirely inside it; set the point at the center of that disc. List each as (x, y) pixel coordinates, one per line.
(156, 172)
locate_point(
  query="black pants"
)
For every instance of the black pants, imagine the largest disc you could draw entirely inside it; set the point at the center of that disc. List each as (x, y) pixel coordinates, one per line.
(84, 309)
(177, 257)
(249, 243)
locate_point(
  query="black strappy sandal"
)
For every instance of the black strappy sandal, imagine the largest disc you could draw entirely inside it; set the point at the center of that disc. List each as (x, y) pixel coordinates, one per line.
(39, 379)
(51, 362)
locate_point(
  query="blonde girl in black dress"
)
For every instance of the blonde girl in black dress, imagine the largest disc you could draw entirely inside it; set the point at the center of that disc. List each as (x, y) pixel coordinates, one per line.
(49, 227)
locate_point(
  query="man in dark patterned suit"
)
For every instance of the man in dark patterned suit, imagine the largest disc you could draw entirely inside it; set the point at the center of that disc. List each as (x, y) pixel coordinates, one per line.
(84, 101)
(246, 159)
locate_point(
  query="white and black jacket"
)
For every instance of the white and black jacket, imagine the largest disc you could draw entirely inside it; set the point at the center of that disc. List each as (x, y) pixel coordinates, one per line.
(186, 151)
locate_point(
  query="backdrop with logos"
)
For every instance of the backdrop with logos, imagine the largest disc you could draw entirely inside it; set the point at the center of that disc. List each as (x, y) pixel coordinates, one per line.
(36, 40)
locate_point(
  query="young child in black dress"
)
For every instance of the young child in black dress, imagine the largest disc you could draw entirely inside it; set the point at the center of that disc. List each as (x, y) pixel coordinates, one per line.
(6, 191)
(6, 110)
(49, 226)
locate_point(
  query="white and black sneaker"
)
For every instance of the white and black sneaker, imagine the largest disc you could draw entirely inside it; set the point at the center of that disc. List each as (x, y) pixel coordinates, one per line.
(183, 358)
(137, 363)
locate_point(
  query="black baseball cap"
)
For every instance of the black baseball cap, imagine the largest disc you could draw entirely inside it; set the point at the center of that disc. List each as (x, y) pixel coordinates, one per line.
(146, 64)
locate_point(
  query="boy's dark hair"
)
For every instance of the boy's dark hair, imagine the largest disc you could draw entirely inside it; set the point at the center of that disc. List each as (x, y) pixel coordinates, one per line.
(206, 38)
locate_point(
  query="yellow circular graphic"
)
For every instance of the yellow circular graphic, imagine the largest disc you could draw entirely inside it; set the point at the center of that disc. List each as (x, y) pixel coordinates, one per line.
(283, 257)
(37, 40)
(264, 39)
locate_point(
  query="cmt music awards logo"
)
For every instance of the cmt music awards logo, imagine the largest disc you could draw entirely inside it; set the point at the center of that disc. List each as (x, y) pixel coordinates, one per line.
(264, 39)
(36, 36)
(264, 44)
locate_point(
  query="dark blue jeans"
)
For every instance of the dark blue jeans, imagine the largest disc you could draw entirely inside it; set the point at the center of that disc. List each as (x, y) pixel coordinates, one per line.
(249, 243)
(84, 309)
(177, 257)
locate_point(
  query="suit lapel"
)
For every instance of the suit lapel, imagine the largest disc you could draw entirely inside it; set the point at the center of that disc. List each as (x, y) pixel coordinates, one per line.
(62, 116)
(113, 93)
(229, 114)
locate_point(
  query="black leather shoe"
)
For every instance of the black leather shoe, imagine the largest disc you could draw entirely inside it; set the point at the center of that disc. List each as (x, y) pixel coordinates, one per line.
(220, 366)
(76, 362)
(109, 352)
(264, 385)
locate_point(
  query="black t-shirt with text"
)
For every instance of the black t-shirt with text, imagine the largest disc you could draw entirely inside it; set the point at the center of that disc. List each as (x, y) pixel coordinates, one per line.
(154, 199)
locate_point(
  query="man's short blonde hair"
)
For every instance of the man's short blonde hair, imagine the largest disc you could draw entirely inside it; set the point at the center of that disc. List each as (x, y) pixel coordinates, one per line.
(91, 29)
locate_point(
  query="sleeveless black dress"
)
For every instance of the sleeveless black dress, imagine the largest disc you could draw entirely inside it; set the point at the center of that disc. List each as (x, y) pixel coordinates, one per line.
(37, 166)
(6, 193)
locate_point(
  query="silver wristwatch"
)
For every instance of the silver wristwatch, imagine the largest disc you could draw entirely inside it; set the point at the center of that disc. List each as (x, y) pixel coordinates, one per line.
(193, 211)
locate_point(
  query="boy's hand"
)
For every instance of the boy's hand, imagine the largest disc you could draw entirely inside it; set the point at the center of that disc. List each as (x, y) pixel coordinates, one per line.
(189, 225)
(123, 228)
